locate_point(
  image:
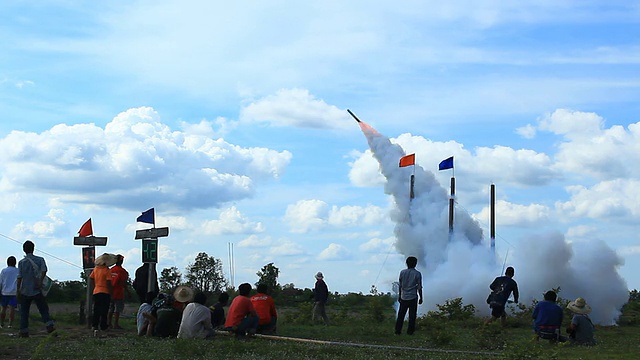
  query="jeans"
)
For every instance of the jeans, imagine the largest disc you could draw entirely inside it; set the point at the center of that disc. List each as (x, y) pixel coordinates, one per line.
(248, 323)
(25, 306)
(319, 310)
(412, 307)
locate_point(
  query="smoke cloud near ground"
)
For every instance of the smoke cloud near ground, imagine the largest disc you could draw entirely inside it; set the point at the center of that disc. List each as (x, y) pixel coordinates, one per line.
(462, 264)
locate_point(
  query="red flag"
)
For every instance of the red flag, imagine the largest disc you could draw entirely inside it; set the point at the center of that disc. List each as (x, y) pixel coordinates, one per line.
(408, 160)
(86, 229)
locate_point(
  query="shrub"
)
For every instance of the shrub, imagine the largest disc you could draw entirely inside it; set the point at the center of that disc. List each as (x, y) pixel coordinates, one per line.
(453, 310)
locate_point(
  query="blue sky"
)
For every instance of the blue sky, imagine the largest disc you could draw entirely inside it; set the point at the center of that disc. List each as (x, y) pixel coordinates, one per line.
(230, 120)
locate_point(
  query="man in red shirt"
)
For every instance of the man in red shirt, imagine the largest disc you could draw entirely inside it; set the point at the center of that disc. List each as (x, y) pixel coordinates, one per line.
(242, 317)
(120, 276)
(266, 309)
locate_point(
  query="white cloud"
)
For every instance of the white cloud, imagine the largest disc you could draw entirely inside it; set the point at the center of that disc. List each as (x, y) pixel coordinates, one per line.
(335, 252)
(510, 214)
(295, 108)
(377, 245)
(135, 160)
(231, 221)
(590, 149)
(306, 215)
(254, 241)
(617, 200)
(629, 250)
(357, 215)
(527, 132)
(287, 248)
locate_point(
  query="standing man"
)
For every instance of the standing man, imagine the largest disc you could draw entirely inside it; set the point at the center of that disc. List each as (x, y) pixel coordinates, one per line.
(409, 295)
(140, 283)
(119, 279)
(320, 297)
(266, 309)
(501, 289)
(8, 281)
(31, 272)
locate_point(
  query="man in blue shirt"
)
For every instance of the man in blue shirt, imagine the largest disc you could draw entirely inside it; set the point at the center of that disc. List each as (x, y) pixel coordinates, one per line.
(31, 272)
(547, 317)
(409, 295)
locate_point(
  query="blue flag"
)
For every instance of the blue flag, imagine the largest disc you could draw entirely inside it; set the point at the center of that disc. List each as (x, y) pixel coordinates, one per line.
(446, 164)
(148, 217)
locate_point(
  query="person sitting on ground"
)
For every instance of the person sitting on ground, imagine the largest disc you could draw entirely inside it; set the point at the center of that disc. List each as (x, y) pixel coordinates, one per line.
(217, 311)
(242, 318)
(501, 289)
(196, 319)
(266, 310)
(169, 315)
(547, 317)
(142, 321)
(581, 328)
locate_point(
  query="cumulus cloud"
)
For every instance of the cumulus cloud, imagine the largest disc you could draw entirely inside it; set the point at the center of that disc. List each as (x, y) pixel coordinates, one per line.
(231, 221)
(617, 199)
(527, 132)
(588, 148)
(52, 226)
(295, 108)
(515, 214)
(335, 252)
(311, 215)
(377, 245)
(135, 160)
(254, 241)
(287, 248)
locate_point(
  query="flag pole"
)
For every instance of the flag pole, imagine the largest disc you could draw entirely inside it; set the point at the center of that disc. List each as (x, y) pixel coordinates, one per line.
(451, 205)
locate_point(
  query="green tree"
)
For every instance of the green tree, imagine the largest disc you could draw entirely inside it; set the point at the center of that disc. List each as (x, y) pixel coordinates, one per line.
(170, 278)
(205, 274)
(269, 275)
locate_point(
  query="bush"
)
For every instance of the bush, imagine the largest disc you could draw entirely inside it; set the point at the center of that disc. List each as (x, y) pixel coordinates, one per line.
(453, 310)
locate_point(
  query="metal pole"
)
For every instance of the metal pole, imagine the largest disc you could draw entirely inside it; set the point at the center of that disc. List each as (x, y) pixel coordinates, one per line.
(89, 301)
(493, 218)
(451, 203)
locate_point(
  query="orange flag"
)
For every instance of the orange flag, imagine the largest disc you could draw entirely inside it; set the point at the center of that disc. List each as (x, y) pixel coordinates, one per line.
(86, 229)
(408, 160)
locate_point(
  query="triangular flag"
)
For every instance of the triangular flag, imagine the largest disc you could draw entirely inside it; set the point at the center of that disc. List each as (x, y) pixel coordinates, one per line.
(446, 164)
(86, 229)
(148, 217)
(408, 160)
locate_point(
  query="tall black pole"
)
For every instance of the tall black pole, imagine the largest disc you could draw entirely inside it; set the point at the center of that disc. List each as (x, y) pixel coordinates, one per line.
(493, 218)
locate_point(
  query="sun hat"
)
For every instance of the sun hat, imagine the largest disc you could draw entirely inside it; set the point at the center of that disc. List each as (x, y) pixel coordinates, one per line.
(106, 259)
(183, 294)
(579, 306)
(319, 276)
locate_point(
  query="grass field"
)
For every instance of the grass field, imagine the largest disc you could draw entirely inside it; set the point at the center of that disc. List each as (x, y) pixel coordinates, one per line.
(352, 335)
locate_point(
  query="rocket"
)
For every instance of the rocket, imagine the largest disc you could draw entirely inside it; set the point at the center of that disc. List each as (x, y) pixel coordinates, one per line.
(354, 116)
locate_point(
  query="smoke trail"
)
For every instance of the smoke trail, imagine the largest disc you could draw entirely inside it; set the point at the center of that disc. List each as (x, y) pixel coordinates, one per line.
(462, 266)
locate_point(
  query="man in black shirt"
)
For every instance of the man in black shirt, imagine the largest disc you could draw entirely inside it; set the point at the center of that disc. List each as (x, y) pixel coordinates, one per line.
(501, 289)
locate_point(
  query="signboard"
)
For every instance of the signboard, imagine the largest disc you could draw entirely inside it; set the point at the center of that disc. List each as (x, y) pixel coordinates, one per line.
(88, 257)
(150, 251)
(152, 233)
(90, 240)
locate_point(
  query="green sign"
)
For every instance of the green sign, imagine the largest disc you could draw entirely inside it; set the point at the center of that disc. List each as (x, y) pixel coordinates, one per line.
(150, 251)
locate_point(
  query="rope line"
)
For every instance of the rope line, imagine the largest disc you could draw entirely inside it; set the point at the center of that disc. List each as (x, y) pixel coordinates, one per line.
(43, 252)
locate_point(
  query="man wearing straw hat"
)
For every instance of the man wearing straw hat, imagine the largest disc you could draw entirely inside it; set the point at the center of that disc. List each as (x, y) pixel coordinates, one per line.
(169, 315)
(581, 328)
(320, 297)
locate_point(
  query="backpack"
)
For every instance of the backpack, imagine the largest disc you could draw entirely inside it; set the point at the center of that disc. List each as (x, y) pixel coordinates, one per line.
(496, 296)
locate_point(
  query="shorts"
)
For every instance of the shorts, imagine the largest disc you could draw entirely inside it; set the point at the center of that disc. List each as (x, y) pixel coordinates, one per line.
(116, 306)
(498, 311)
(9, 300)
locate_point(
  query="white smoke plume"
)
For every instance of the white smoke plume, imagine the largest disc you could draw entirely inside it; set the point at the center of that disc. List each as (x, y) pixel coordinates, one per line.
(462, 265)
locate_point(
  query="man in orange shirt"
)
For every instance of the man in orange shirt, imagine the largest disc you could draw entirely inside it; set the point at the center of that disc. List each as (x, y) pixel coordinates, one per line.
(119, 278)
(266, 309)
(100, 279)
(242, 317)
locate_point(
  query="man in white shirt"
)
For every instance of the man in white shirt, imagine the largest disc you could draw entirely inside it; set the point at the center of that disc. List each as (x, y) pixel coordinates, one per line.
(196, 319)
